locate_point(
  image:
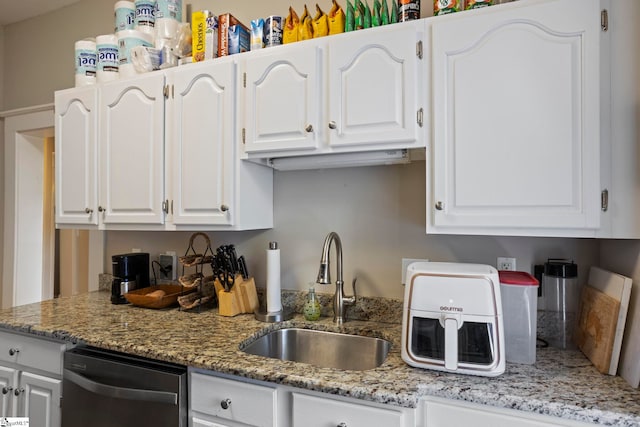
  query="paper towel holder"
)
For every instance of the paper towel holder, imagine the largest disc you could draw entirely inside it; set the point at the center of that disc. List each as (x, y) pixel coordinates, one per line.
(263, 315)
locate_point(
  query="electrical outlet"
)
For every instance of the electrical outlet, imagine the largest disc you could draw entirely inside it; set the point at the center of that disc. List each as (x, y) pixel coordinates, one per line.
(506, 263)
(168, 266)
(405, 264)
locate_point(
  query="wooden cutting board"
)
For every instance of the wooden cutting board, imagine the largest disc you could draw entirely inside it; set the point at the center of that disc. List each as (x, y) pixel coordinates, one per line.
(596, 327)
(618, 287)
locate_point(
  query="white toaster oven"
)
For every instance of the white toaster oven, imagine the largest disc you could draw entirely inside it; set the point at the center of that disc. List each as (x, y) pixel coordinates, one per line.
(452, 318)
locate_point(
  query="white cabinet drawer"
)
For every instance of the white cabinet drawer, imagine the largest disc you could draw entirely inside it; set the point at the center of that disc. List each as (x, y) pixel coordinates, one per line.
(36, 353)
(441, 413)
(233, 400)
(311, 411)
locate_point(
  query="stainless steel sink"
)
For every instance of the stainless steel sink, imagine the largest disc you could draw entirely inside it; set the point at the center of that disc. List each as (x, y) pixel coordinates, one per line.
(323, 349)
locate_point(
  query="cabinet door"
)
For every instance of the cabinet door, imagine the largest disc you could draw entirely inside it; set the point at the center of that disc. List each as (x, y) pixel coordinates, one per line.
(8, 383)
(311, 411)
(132, 150)
(40, 399)
(516, 119)
(76, 169)
(373, 88)
(284, 99)
(201, 148)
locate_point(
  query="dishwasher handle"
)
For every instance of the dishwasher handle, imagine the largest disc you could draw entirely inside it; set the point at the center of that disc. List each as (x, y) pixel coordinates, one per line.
(121, 392)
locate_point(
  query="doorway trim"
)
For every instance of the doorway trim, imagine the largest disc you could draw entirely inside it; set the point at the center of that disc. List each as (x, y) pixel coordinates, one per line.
(20, 126)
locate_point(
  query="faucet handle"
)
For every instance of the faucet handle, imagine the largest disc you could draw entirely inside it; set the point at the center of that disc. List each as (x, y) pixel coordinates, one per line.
(352, 299)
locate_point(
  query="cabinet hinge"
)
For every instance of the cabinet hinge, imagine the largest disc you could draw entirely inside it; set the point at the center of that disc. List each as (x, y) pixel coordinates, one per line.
(244, 80)
(420, 117)
(604, 200)
(604, 20)
(244, 135)
(419, 49)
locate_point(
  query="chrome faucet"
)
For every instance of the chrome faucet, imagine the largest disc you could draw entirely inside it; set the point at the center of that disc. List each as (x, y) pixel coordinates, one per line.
(340, 300)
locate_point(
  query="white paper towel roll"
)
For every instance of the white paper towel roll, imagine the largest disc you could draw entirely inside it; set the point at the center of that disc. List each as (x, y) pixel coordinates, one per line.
(107, 48)
(274, 302)
(85, 59)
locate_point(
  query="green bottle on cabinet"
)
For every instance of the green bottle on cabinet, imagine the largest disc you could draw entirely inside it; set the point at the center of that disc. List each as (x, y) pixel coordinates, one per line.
(312, 308)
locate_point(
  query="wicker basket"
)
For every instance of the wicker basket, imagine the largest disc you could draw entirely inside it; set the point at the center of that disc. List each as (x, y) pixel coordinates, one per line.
(141, 297)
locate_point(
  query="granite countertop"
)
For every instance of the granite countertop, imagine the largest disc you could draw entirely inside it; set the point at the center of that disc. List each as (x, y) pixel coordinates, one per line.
(561, 383)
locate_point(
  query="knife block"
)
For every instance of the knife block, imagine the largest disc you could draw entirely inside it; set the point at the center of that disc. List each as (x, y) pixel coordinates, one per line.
(241, 298)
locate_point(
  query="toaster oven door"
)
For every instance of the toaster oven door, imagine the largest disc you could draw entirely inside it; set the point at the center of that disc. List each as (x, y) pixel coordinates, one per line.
(475, 341)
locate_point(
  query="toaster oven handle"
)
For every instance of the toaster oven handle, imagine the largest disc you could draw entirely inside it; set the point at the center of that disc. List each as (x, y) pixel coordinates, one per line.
(450, 344)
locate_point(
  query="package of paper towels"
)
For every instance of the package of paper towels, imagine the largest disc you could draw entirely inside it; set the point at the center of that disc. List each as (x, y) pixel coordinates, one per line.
(86, 60)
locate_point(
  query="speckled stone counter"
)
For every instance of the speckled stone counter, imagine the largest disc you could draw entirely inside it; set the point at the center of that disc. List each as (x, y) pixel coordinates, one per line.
(561, 383)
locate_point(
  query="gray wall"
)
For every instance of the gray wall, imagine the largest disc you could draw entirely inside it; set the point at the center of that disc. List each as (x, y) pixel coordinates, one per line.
(378, 211)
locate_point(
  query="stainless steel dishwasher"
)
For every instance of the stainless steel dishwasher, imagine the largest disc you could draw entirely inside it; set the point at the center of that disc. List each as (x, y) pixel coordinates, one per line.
(106, 389)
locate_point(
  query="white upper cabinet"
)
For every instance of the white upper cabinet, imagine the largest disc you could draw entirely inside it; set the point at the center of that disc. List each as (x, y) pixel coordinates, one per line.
(76, 156)
(283, 99)
(351, 92)
(516, 120)
(374, 95)
(200, 158)
(132, 150)
(168, 156)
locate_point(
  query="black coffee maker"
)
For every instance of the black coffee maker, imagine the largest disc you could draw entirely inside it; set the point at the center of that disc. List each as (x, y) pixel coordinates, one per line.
(130, 271)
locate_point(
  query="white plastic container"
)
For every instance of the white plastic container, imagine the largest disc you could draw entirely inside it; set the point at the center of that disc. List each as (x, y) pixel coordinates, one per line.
(519, 309)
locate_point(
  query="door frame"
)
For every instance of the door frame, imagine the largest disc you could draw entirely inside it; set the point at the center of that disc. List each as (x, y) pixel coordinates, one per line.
(30, 125)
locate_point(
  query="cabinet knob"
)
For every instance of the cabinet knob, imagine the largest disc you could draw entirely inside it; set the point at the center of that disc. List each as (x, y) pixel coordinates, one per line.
(100, 209)
(439, 206)
(342, 425)
(18, 391)
(309, 128)
(225, 403)
(13, 351)
(89, 211)
(332, 124)
(224, 208)
(6, 390)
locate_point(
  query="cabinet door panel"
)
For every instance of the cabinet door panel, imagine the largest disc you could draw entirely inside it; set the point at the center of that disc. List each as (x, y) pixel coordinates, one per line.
(516, 118)
(41, 399)
(284, 99)
(132, 147)
(373, 88)
(76, 157)
(8, 382)
(202, 145)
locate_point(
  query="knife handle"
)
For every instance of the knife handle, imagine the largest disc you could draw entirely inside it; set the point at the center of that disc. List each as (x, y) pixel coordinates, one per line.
(242, 265)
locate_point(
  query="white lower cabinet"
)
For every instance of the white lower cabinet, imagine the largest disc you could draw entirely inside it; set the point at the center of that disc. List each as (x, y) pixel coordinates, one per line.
(31, 378)
(313, 411)
(215, 401)
(446, 413)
